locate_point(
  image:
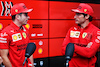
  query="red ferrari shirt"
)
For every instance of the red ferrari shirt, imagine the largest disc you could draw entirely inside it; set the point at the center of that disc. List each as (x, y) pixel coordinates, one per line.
(15, 39)
(83, 56)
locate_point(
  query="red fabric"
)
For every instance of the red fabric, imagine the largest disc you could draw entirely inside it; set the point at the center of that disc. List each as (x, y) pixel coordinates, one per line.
(15, 40)
(19, 8)
(84, 8)
(83, 56)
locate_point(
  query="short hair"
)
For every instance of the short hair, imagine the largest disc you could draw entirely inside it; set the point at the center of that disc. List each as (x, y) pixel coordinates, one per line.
(90, 17)
(13, 16)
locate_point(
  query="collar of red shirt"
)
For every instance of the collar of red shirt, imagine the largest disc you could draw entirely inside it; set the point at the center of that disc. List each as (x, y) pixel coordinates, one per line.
(15, 26)
(86, 26)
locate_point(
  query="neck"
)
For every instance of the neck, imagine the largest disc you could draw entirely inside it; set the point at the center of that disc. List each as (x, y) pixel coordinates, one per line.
(83, 25)
(17, 23)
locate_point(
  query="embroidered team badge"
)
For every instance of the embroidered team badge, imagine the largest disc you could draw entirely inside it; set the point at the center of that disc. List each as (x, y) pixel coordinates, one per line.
(24, 35)
(84, 35)
(74, 34)
(16, 37)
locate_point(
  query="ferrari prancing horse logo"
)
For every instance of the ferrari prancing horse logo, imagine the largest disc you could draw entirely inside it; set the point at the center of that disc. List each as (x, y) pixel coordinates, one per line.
(84, 35)
(24, 35)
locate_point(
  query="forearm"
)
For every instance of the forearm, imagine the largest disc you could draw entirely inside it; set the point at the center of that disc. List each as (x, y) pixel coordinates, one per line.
(6, 62)
(4, 56)
(32, 60)
(1, 60)
(87, 52)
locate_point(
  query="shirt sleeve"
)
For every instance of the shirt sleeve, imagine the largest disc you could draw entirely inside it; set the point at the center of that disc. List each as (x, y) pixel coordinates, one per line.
(91, 51)
(65, 42)
(4, 40)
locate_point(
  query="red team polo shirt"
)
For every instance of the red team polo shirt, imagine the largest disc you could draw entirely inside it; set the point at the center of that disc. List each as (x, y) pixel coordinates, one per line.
(15, 40)
(83, 56)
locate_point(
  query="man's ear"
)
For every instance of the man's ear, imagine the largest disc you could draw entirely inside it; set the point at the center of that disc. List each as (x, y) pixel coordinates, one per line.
(87, 16)
(17, 16)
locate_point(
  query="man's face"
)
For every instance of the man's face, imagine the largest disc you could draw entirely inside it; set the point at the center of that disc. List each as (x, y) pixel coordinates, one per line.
(23, 18)
(79, 18)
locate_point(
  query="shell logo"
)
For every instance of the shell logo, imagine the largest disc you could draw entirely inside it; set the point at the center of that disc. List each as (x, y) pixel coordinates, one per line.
(1, 26)
(15, 37)
(72, 33)
(40, 50)
(27, 26)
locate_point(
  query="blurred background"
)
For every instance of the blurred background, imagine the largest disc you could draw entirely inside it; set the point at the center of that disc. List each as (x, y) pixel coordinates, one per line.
(48, 24)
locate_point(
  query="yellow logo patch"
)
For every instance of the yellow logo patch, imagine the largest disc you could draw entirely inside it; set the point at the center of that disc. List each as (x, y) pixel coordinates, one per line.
(84, 35)
(15, 37)
(40, 50)
(74, 34)
(24, 35)
(1, 26)
(27, 26)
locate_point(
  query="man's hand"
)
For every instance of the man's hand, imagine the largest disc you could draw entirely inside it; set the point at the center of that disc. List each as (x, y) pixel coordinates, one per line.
(89, 44)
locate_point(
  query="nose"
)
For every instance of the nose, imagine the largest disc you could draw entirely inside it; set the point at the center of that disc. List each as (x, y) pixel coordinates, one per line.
(28, 17)
(74, 16)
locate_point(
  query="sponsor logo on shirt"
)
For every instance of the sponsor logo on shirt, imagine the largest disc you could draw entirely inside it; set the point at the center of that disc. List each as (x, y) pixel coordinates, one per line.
(97, 41)
(98, 32)
(77, 34)
(74, 34)
(1, 26)
(3, 40)
(3, 34)
(75, 28)
(21, 47)
(12, 31)
(89, 44)
(84, 35)
(98, 37)
(16, 37)
(3, 37)
(24, 35)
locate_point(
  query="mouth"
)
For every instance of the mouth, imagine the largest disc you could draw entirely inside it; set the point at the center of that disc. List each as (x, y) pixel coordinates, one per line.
(26, 20)
(76, 20)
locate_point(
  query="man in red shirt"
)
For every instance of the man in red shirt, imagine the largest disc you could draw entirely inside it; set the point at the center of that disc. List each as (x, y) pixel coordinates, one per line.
(85, 37)
(15, 37)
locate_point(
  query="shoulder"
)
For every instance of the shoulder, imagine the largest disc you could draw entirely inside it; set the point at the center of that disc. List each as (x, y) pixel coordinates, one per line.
(74, 28)
(7, 29)
(93, 27)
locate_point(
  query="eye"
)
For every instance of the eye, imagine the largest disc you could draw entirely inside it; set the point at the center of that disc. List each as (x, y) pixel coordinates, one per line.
(26, 14)
(78, 14)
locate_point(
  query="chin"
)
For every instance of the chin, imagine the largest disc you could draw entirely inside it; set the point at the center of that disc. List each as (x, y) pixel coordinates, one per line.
(76, 22)
(24, 24)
